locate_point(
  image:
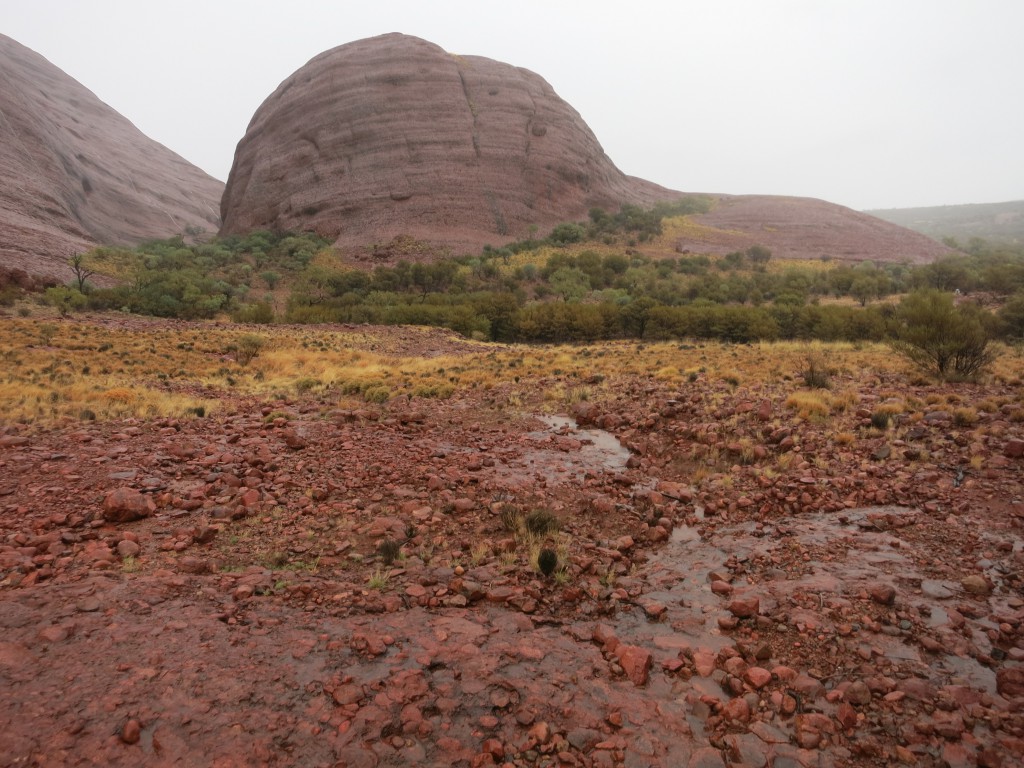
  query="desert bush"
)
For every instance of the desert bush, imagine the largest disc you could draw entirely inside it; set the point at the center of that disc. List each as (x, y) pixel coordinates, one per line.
(248, 347)
(880, 420)
(65, 299)
(547, 561)
(377, 394)
(815, 372)
(952, 342)
(541, 522)
(261, 313)
(388, 551)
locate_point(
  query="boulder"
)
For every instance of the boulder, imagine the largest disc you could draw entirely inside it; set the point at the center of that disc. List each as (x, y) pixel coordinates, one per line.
(124, 505)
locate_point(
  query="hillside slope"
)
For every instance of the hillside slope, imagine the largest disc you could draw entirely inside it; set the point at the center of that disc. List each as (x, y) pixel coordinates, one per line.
(74, 172)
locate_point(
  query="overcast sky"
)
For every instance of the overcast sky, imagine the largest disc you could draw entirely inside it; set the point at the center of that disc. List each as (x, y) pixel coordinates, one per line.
(867, 103)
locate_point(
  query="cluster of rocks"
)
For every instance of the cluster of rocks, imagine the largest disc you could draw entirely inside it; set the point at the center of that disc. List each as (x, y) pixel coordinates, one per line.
(373, 564)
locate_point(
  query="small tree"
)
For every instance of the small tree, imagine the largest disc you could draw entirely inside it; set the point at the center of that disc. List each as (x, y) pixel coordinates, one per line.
(248, 347)
(82, 272)
(942, 338)
(759, 255)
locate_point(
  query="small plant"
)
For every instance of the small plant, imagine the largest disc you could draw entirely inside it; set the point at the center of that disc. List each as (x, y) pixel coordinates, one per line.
(815, 372)
(248, 347)
(46, 333)
(388, 551)
(379, 579)
(880, 420)
(608, 577)
(547, 561)
(129, 564)
(480, 553)
(541, 522)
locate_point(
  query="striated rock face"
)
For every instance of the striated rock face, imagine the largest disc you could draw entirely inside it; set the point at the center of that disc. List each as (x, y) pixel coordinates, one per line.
(394, 136)
(73, 172)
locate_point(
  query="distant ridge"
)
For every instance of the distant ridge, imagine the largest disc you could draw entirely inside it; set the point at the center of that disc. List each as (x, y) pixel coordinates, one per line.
(1000, 222)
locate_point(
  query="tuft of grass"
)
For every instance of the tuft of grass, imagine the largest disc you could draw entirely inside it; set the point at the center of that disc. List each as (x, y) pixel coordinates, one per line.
(541, 522)
(965, 417)
(388, 551)
(379, 579)
(814, 406)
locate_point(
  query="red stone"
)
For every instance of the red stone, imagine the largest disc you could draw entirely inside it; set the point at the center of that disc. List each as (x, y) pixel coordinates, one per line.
(757, 677)
(124, 505)
(745, 607)
(1014, 448)
(636, 662)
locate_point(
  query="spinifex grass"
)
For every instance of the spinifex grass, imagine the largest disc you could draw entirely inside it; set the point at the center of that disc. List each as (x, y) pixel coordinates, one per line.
(97, 367)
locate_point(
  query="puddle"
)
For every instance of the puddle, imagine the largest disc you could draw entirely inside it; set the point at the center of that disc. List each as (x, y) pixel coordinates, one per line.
(600, 449)
(869, 551)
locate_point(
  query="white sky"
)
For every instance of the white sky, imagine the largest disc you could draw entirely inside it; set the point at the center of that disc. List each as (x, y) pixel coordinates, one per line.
(867, 103)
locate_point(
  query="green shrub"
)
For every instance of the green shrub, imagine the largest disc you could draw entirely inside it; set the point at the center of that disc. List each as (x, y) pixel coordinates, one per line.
(247, 348)
(378, 394)
(942, 338)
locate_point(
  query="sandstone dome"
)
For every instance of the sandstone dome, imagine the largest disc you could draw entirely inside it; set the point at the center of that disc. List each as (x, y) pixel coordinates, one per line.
(394, 136)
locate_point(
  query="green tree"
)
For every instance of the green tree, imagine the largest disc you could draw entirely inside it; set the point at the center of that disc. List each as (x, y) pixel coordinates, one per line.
(570, 283)
(1011, 314)
(942, 338)
(636, 315)
(567, 233)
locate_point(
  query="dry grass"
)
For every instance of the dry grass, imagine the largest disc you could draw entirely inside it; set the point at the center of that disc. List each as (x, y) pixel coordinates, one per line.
(814, 406)
(89, 367)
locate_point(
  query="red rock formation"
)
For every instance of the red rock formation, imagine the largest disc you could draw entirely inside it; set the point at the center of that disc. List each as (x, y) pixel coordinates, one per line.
(804, 228)
(73, 172)
(394, 136)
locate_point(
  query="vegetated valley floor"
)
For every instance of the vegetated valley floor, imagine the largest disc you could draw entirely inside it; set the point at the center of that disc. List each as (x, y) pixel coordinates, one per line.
(336, 563)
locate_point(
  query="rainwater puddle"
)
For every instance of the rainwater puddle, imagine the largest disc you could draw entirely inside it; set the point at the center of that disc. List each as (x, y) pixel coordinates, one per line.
(863, 548)
(600, 449)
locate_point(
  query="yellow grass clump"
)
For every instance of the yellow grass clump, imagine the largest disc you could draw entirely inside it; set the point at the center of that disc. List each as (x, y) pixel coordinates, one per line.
(812, 406)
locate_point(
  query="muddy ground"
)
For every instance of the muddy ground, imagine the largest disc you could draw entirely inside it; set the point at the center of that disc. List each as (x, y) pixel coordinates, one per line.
(214, 591)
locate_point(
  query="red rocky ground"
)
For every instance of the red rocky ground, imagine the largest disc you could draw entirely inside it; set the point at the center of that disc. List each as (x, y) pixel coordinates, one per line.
(211, 591)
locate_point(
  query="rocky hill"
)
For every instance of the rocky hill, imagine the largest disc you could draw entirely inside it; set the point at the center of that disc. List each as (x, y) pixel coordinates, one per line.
(393, 136)
(74, 172)
(804, 228)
